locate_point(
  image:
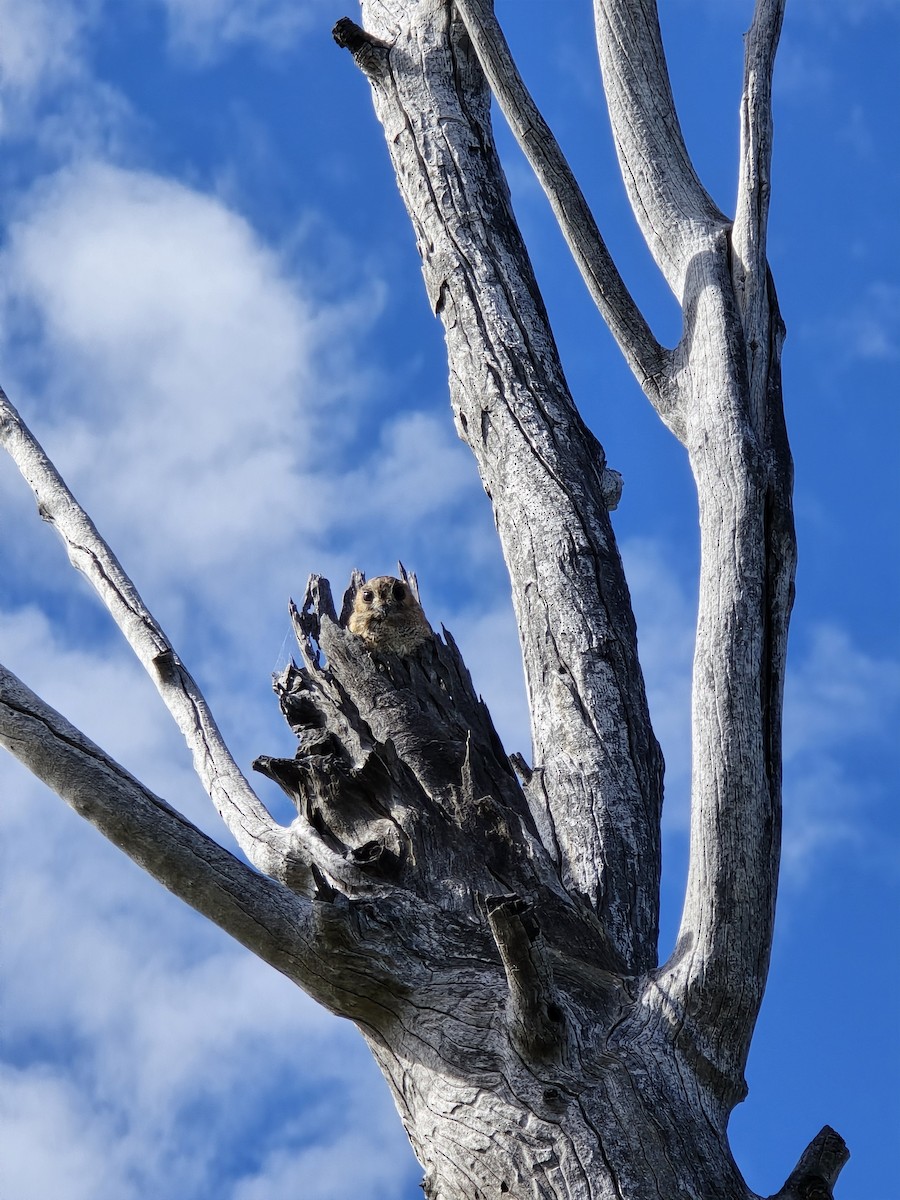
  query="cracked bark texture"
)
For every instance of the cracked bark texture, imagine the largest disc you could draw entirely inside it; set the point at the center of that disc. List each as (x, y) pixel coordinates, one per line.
(491, 925)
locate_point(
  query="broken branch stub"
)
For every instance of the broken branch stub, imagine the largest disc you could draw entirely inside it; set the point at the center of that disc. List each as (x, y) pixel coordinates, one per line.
(401, 774)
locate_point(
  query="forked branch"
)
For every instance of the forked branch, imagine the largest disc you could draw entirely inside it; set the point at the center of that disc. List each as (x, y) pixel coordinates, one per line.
(330, 946)
(673, 209)
(260, 837)
(257, 911)
(644, 354)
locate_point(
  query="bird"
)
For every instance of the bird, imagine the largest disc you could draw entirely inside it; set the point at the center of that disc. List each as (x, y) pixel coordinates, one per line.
(387, 616)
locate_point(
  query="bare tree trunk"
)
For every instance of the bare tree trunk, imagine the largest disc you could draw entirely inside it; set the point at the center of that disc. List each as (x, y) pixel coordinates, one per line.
(493, 932)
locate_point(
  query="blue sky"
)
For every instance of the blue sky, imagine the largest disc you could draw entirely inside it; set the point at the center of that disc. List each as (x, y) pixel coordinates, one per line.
(211, 314)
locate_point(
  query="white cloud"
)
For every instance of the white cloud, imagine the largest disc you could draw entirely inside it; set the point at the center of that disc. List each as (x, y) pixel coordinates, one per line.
(417, 469)
(801, 73)
(351, 1153)
(52, 1144)
(858, 133)
(51, 100)
(152, 1045)
(108, 696)
(667, 617)
(870, 330)
(351, 1164)
(168, 297)
(41, 45)
(840, 704)
(837, 693)
(54, 98)
(190, 395)
(824, 812)
(489, 642)
(176, 365)
(44, 46)
(204, 29)
(851, 12)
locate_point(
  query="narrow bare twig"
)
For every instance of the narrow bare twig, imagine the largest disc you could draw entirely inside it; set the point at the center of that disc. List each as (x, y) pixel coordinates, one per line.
(748, 237)
(259, 836)
(644, 354)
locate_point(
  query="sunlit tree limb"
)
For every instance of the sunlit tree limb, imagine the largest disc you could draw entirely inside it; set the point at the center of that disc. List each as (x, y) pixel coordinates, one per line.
(259, 836)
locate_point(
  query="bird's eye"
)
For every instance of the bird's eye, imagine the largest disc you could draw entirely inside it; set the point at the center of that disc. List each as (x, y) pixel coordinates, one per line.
(399, 592)
(368, 596)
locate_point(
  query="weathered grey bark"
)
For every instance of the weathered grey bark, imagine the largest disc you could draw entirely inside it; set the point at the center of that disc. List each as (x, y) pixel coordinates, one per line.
(493, 932)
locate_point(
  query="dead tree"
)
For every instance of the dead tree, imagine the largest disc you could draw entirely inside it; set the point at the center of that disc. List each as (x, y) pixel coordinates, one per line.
(490, 926)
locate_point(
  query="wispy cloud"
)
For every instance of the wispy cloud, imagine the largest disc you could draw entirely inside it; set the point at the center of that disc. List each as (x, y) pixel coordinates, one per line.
(81, 1160)
(842, 704)
(186, 382)
(863, 331)
(801, 73)
(870, 330)
(162, 356)
(348, 1161)
(42, 43)
(489, 642)
(852, 12)
(203, 30)
(666, 616)
(53, 104)
(147, 1045)
(841, 707)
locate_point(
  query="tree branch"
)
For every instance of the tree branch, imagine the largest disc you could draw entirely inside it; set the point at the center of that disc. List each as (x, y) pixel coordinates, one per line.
(259, 836)
(748, 237)
(676, 215)
(369, 53)
(644, 354)
(816, 1173)
(717, 975)
(738, 452)
(342, 952)
(597, 780)
(536, 1021)
(278, 926)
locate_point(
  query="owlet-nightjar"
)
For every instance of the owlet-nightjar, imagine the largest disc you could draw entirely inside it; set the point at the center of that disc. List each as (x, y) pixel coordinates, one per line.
(387, 616)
